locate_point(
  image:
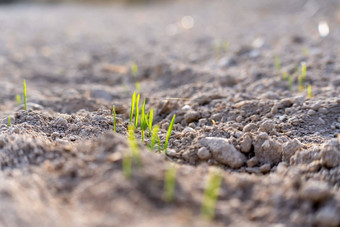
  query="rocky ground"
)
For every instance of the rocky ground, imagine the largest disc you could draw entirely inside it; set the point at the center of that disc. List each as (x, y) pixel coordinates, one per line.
(212, 63)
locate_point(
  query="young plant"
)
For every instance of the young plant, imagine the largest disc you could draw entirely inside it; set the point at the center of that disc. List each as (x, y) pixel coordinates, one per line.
(133, 145)
(137, 111)
(9, 120)
(138, 88)
(309, 90)
(211, 194)
(150, 121)
(114, 118)
(303, 76)
(170, 183)
(154, 137)
(277, 64)
(133, 103)
(165, 147)
(25, 95)
(18, 97)
(134, 69)
(127, 165)
(143, 121)
(285, 75)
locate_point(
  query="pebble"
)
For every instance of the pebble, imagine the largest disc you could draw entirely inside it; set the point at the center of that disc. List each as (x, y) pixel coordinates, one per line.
(250, 127)
(317, 191)
(223, 151)
(203, 153)
(188, 129)
(311, 112)
(252, 162)
(246, 143)
(265, 168)
(267, 126)
(186, 108)
(191, 116)
(171, 153)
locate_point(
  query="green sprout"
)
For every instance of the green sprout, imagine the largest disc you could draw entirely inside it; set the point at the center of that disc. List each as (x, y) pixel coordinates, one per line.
(133, 103)
(303, 76)
(150, 121)
(154, 137)
(9, 120)
(211, 194)
(18, 97)
(285, 75)
(127, 165)
(168, 134)
(132, 141)
(138, 88)
(309, 90)
(277, 64)
(114, 118)
(25, 95)
(290, 82)
(143, 121)
(170, 183)
(137, 111)
(134, 69)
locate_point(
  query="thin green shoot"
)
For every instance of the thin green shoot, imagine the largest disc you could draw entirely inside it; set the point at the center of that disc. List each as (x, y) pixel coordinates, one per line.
(309, 90)
(9, 120)
(137, 111)
(138, 87)
(18, 97)
(133, 145)
(211, 194)
(303, 72)
(127, 165)
(134, 69)
(285, 76)
(165, 147)
(290, 82)
(25, 95)
(277, 64)
(170, 183)
(133, 103)
(154, 137)
(114, 118)
(150, 121)
(143, 121)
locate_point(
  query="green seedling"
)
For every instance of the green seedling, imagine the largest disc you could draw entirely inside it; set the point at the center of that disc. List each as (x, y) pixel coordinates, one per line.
(114, 118)
(137, 111)
(303, 76)
(138, 87)
(9, 120)
(134, 69)
(211, 194)
(154, 137)
(133, 145)
(168, 134)
(127, 165)
(170, 183)
(133, 103)
(285, 75)
(309, 90)
(18, 97)
(25, 95)
(143, 121)
(150, 121)
(290, 82)
(277, 64)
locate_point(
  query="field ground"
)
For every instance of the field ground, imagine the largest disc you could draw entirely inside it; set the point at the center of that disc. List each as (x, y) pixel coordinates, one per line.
(212, 63)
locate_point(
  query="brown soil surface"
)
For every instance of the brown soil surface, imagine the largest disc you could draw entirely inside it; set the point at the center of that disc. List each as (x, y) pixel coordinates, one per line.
(277, 148)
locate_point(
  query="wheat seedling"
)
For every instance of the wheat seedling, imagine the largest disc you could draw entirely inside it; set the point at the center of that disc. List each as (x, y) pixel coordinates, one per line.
(211, 194)
(150, 121)
(133, 103)
(9, 120)
(143, 121)
(154, 137)
(137, 111)
(165, 147)
(114, 118)
(25, 95)
(18, 97)
(309, 90)
(134, 145)
(134, 69)
(170, 183)
(127, 165)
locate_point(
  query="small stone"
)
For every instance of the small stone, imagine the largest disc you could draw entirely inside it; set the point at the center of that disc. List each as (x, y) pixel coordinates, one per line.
(55, 135)
(223, 151)
(250, 127)
(267, 150)
(165, 125)
(267, 126)
(239, 119)
(61, 122)
(252, 162)
(188, 129)
(317, 191)
(246, 143)
(203, 153)
(186, 108)
(311, 112)
(191, 116)
(316, 106)
(265, 168)
(289, 148)
(330, 153)
(171, 153)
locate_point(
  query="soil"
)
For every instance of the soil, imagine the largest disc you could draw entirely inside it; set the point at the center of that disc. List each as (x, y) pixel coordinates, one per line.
(278, 149)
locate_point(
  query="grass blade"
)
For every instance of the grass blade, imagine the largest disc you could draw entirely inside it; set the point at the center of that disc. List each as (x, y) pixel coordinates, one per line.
(127, 166)
(150, 121)
(154, 137)
(25, 95)
(133, 101)
(134, 69)
(18, 97)
(168, 134)
(170, 183)
(137, 111)
(114, 118)
(210, 195)
(134, 145)
(309, 89)
(9, 121)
